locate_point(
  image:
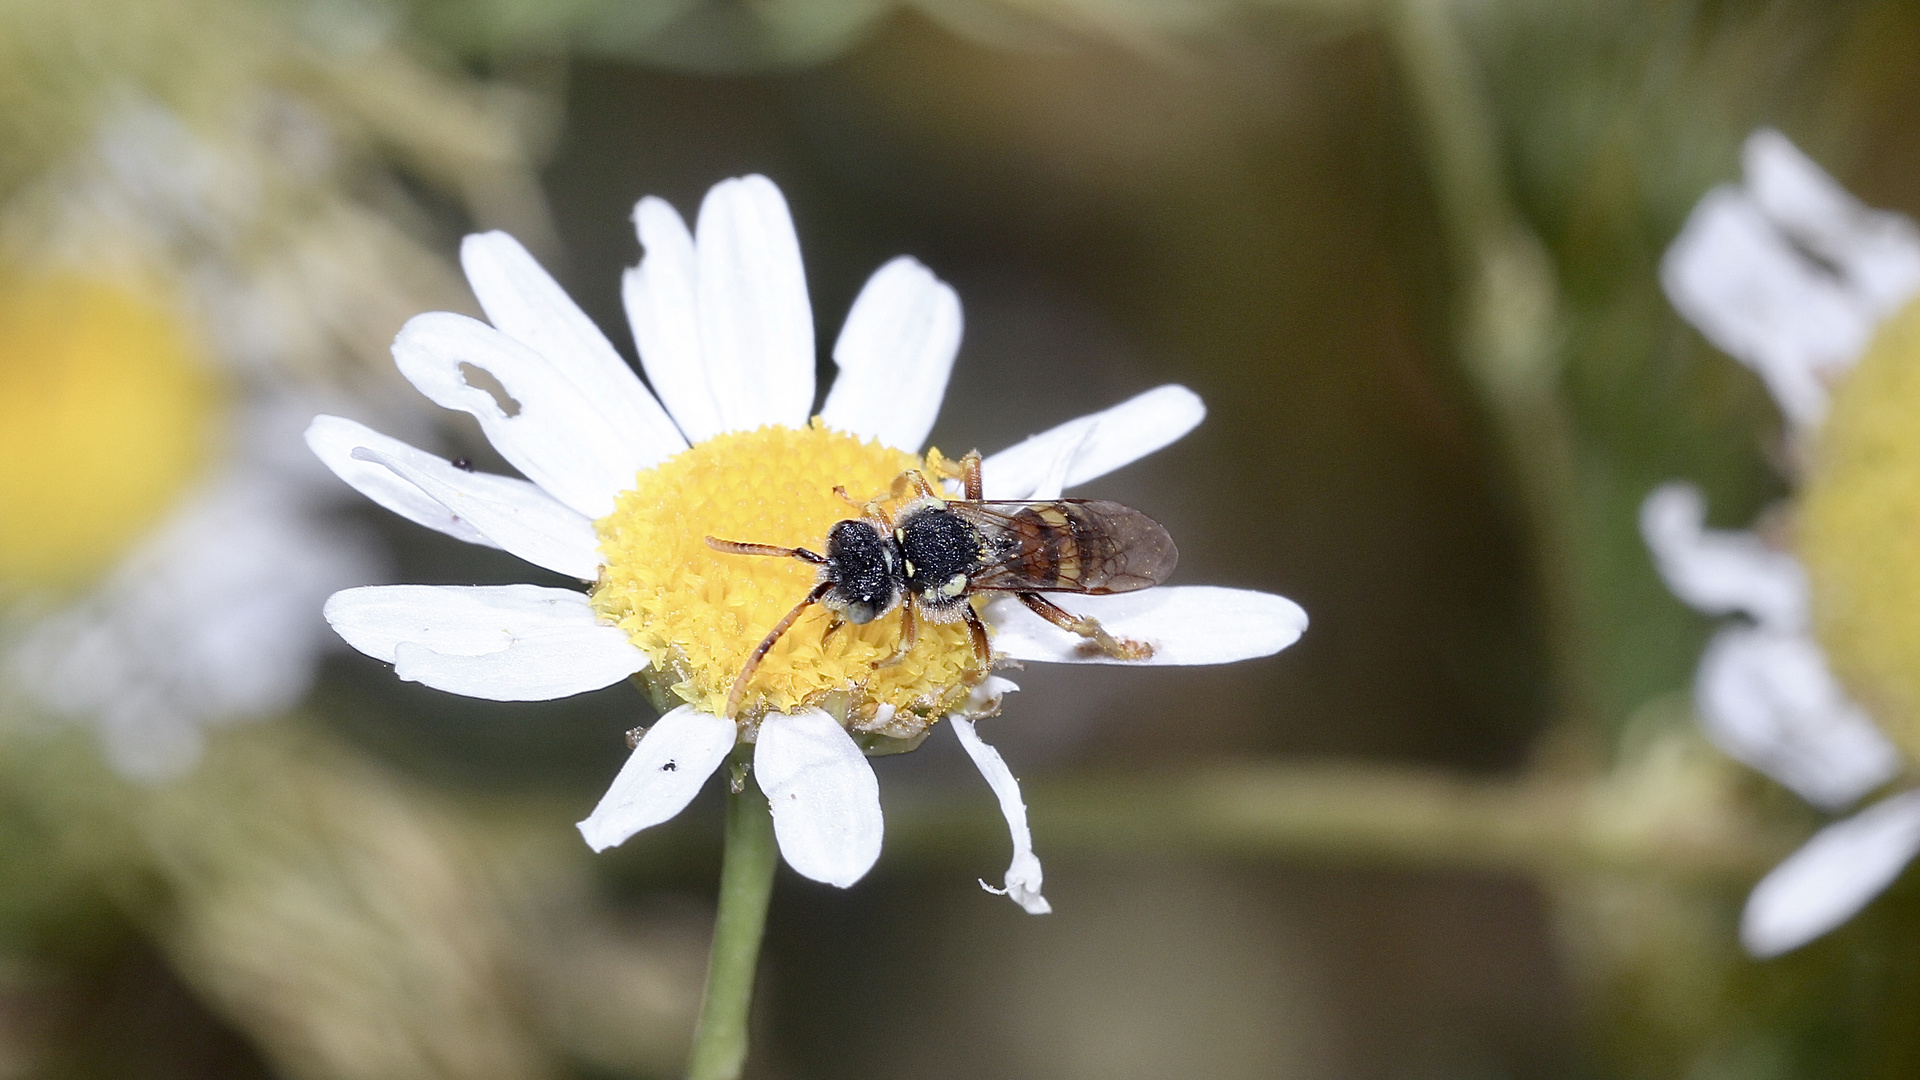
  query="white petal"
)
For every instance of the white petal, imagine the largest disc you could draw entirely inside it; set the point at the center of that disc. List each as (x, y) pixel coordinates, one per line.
(555, 435)
(533, 669)
(459, 620)
(1053, 482)
(1741, 282)
(525, 303)
(333, 440)
(984, 699)
(1876, 252)
(1768, 699)
(1119, 436)
(662, 301)
(1832, 876)
(1186, 624)
(518, 518)
(1719, 571)
(756, 325)
(499, 642)
(826, 802)
(1023, 875)
(666, 771)
(895, 354)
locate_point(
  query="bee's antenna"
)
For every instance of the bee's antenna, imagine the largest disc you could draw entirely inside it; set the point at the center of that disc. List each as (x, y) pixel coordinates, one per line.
(736, 547)
(766, 644)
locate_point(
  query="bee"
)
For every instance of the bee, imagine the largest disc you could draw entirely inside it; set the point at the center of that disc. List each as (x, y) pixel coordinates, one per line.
(934, 553)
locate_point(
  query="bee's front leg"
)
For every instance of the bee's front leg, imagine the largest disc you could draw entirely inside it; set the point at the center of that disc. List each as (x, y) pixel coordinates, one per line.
(1087, 627)
(909, 633)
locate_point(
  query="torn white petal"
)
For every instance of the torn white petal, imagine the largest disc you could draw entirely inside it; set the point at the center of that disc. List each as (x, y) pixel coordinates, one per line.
(1876, 252)
(333, 440)
(894, 355)
(1023, 874)
(984, 699)
(667, 769)
(1832, 876)
(1743, 284)
(662, 301)
(1121, 435)
(756, 324)
(1185, 624)
(548, 428)
(499, 642)
(1719, 571)
(1768, 699)
(825, 799)
(520, 519)
(525, 303)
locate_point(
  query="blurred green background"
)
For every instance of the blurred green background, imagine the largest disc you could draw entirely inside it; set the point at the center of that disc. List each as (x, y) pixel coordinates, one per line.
(1242, 198)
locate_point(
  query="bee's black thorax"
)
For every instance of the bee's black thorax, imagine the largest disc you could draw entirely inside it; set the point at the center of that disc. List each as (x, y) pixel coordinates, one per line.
(863, 563)
(939, 551)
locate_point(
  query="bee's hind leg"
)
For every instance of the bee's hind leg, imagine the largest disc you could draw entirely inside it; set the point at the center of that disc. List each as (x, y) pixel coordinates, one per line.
(1087, 627)
(970, 476)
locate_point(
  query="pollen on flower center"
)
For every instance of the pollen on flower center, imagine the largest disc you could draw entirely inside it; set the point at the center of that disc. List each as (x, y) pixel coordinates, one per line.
(699, 613)
(1858, 522)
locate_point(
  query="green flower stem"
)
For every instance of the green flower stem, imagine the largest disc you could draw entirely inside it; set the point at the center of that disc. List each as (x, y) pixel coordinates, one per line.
(1510, 326)
(746, 884)
(1647, 823)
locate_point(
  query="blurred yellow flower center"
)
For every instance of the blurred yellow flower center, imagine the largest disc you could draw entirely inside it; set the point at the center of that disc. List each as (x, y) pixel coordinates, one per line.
(1859, 530)
(105, 414)
(699, 613)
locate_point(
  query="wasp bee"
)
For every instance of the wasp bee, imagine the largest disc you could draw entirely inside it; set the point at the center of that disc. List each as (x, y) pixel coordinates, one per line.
(933, 553)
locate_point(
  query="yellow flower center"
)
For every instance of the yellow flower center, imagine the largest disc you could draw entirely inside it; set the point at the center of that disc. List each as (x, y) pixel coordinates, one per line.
(699, 613)
(105, 414)
(1859, 530)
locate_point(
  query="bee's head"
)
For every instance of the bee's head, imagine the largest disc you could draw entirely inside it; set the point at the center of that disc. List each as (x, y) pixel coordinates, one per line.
(863, 562)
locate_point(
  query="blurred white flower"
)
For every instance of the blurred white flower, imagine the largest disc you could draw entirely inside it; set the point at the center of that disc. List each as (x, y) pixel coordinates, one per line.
(207, 621)
(1792, 276)
(262, 275)
(1764, 692)
(725, 332)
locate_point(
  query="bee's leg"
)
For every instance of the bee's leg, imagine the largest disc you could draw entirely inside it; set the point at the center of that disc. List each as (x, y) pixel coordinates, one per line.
(1087, 627)
(833, 627)
(760, 651)
(872, 508)
(970, 476)
(977, 630)
(916, 481)
(735, 547)
(909, 633)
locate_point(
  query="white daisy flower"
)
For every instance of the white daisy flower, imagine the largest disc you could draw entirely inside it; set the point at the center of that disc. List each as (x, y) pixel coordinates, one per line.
(622, 488)
(1793, 277)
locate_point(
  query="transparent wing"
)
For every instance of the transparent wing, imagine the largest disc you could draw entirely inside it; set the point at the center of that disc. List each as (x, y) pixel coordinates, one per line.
(1068, 545)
